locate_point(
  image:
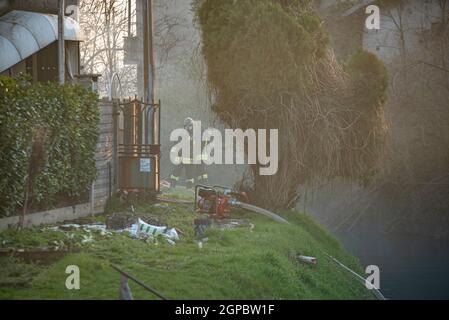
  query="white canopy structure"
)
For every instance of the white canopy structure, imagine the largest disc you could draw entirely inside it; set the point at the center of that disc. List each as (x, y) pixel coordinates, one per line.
(23, 33)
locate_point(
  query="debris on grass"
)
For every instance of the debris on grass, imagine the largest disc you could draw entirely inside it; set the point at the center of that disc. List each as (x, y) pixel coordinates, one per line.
(307, 260)
(201, 242)
(146, 230)
(89, 233)
(165, 184)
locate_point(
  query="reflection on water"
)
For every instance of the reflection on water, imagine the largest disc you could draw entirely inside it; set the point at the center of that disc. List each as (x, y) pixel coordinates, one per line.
(411, 267)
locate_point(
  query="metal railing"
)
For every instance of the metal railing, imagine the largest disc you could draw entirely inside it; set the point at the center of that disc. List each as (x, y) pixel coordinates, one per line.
(125, 291)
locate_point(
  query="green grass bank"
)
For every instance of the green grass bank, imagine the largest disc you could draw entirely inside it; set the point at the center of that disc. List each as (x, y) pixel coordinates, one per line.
(257, 262)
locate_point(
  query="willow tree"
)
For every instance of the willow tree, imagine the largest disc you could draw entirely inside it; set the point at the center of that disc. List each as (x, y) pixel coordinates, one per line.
(270, 66)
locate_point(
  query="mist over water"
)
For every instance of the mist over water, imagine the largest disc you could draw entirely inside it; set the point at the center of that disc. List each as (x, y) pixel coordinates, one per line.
(411, 266)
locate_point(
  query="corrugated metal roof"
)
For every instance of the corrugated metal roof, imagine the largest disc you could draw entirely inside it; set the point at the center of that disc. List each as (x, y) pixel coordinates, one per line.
(23, 33)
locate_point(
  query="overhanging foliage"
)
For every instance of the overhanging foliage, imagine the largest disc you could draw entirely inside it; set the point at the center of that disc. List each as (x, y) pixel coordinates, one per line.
(270, 66)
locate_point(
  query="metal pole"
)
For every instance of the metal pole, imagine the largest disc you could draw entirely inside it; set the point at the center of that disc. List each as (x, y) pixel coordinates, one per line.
(158, 158)
(129, 19)
(146, 62)
(149, 70)
(115, 126)
(92, 198)
(152, 52)
(61, 46)
(148, 47)
(139, 35)
(149, 64)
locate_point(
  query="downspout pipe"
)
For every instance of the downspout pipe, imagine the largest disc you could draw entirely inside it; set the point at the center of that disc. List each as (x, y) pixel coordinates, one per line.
(61, 44)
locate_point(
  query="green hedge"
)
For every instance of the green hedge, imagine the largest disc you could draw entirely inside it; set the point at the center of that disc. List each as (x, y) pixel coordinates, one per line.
(69, 116)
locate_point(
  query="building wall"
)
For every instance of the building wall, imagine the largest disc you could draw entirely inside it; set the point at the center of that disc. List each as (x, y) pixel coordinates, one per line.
(404, 24)
(404, 27)
(4, 6)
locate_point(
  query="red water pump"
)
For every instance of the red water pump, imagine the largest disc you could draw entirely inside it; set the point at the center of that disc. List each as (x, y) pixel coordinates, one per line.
(217, 201)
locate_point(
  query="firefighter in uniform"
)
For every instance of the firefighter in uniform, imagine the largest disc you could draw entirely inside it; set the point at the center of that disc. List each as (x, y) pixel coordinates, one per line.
(193, 172)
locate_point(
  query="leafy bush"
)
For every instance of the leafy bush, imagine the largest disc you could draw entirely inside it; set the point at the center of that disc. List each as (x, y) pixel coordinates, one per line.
(69, 116)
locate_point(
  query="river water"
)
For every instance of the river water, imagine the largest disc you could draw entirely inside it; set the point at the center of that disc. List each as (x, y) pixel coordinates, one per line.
(411, 267)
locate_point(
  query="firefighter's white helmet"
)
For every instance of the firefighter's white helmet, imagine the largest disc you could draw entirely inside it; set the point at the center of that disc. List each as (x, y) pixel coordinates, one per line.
(188, 124)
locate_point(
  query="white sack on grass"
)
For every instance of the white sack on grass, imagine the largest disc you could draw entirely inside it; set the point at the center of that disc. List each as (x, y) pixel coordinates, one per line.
(153, 231)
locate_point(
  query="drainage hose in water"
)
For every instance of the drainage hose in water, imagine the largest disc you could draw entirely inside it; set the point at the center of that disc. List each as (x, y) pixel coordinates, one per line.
(376, 291)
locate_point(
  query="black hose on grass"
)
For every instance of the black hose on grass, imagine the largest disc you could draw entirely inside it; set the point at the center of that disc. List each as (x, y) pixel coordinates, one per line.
(376, 291)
